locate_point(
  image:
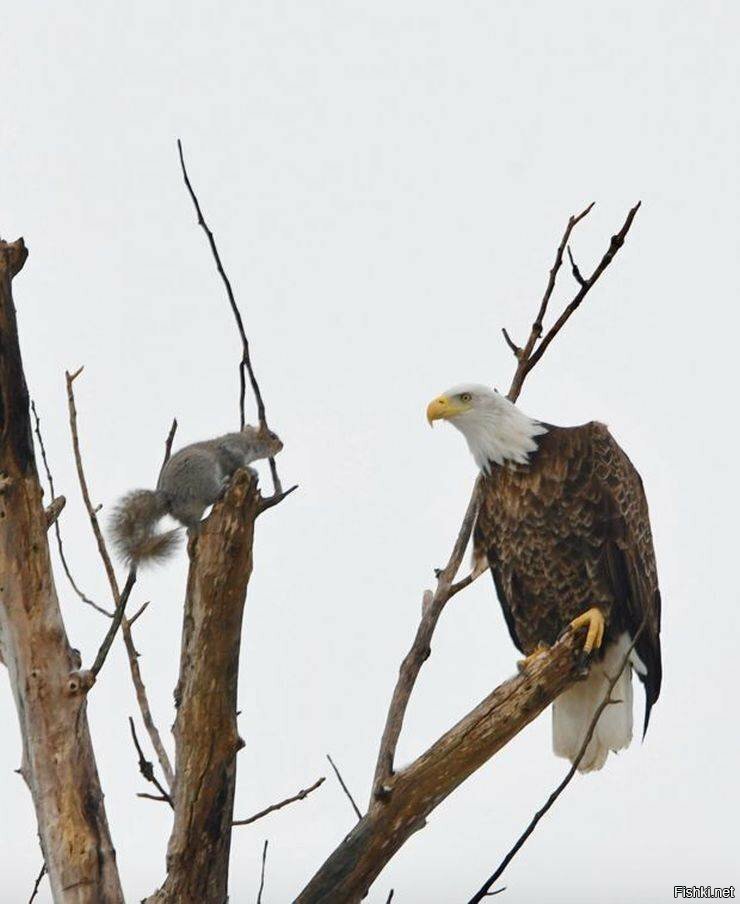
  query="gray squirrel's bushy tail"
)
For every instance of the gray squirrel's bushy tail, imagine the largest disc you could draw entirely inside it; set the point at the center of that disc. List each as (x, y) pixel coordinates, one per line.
(132, 527)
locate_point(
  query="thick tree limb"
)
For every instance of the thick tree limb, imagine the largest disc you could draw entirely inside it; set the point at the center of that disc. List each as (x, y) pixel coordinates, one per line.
(58, 762)
(206, 736)
(411, 794)
(484, 891)
(400, 802)
(301, 795)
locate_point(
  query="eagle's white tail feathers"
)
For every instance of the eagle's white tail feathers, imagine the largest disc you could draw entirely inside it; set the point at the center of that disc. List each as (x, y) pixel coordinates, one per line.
(574, 710)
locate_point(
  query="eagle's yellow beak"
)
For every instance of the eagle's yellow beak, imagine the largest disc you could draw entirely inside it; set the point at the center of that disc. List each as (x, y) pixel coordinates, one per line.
(442, 407)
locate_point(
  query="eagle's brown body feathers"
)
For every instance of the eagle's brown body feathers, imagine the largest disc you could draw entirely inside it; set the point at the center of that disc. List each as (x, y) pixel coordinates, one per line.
(569, 531)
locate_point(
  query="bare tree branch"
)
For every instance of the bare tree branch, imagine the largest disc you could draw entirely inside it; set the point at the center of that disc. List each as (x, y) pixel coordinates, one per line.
(156, 797)
(206, 733)
(139, 612)
(146, 768)
(115, 624)
(58, 762)
(246, 361)
(269, 501)
(420, 649)
(574, 268)
(131, 652)
(50, 480)
(91, 509)
(37, 883)
(536, 330)
(484, 891)
(168, 442)
(262, 873)
(283, 803)
(510, 342)
(531, 355)
(412, 793)
(344, 787)
(54, 510)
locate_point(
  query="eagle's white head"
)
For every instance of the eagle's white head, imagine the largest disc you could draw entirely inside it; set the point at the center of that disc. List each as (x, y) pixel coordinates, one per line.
(495, 429)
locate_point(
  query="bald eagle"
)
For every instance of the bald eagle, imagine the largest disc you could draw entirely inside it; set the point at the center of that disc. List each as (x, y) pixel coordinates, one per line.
(563, 526)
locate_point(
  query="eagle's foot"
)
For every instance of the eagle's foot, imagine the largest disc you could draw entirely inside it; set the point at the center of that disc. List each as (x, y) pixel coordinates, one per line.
(594, 618)
(538, 651)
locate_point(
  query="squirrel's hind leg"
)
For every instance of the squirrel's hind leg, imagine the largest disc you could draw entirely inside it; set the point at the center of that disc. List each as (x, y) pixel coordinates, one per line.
(188, 513)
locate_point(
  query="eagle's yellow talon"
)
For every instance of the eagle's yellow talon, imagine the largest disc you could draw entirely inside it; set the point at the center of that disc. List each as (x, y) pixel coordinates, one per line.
(594, 618)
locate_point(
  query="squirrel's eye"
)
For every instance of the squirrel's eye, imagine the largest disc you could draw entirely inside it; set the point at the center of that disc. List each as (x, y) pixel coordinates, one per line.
(465, 397)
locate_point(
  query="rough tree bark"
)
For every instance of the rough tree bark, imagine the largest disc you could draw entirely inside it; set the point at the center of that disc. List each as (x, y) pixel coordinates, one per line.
(206, 736)
(58, 761)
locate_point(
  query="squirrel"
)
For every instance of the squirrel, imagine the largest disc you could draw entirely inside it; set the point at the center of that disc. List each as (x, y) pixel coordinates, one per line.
(191, 480)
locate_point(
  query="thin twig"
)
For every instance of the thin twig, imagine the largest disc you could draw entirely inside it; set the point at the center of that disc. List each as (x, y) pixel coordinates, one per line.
(262, 873)
(143, 701)
(614, 245)
(147, 768)
(344, 787)
(91, 509)
(133, 656)
(115, 623)
(390, 896)
(269, 501)
(140, 611)
(246, 361)
(37, 883)
(606, 701)
(283, 803)
(577, 275)
(57, 529)
(168, 442)
(510, 342)
(536, 330)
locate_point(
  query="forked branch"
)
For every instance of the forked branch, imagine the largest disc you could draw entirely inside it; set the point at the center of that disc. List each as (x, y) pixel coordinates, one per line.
(245, 364)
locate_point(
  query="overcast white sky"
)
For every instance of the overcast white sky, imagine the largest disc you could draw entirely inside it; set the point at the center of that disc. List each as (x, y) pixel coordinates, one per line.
(388, 182)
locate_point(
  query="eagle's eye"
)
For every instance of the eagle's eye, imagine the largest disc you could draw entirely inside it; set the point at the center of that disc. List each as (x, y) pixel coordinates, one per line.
(465, 396)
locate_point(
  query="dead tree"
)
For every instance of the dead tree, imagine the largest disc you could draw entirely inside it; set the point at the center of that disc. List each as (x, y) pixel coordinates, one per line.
(50, 686)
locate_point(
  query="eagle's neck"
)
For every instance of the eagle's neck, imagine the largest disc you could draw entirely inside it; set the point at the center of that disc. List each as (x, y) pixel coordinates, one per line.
(500, 434)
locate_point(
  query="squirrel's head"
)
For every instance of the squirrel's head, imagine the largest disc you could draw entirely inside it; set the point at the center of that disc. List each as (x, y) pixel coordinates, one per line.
(268, 442)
